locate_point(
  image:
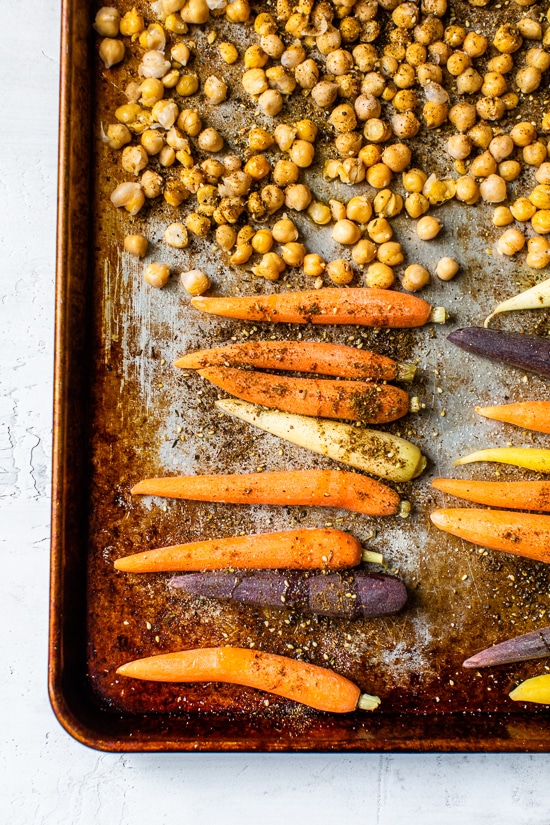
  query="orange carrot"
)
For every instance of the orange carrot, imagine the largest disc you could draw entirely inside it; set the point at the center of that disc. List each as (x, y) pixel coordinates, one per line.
(531, 415)
(302, 356)
(302, 549)
(316, 488)
(311, 685)
(353, 400)
(517, 495)
(368, 307)
(523, 534)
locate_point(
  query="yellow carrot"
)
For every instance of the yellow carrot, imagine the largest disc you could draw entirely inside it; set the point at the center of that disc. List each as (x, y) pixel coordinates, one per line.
(536, 690)
(311, 685)
(530, 458)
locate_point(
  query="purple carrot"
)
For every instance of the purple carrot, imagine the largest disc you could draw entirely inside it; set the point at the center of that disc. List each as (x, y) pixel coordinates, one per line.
(528, 352)
(529, 646)
(346, 595)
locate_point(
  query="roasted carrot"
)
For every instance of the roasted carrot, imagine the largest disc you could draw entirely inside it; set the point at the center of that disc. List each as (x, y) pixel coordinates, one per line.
(367, 307)
(516, 495)
(303, 549)
(531, 415)
(523, 534)
(533, 645)
(314, 686)
(302, 356)
(316, 488)
(353, 400)
(530, 458)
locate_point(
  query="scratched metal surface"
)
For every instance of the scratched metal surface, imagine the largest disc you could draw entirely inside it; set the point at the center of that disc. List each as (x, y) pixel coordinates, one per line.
(148, 419)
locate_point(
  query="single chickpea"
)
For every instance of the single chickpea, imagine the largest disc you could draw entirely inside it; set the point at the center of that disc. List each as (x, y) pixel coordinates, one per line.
(226, 237)
(157, 274)
(405, 16)
(510, 242)
(197, 224)
(387, 204)
(379, 230)
(348, 144)
(342, 118)
(363, 252)
(107, 22)
(195, 282)
(540, 196)
(272, 45)
(134, 159)
(285, 231)
(467, 190)
(346, 232)
(481, 135)
(509, 170)
(238, 11)
(365, 57)
(175, 193)
(390, 253)
(502, 63)
(228, 53)
(257, 167)
(535, 154)
(446, 269)
(293, 56)
(359, 209)
(339, 62)
(530, 29)
(434, 114)
(189, 122)
(306, 130)
(329, 41)
(254, 81)
(415, 277)
(302, 153)
(373, 84)
(262, 241)
(507, 38)
(379, 175)
(428, 228)
(522, 209)
(313, 265)
(187, 85)
(272, 198)
(405, 125)
(319, 213)
(264, 24)
(528, 79)
(151, 183)
(167, 156)
(523, 134)
(293, 254)
(542, 175)
(210, 140)
(215, 89)
(243, 252)
(490, 108)
(463, 116)
(255, 57)
(285, 172)
(494, 84)
(152, 141)
(280, 80)
(152, 90)
(136, 245)
(483, 165)
(493, 189)
(270, 267)
(501, 147)
(369, 155)
(414, 180)
(396, 157)
(502, 216)
(298, 197)
(458, 63)
(429, 73)
(541, 221)
(271, 102)
(538, 58)
(340, 272)
(259, 139)
(416, 204)
(379, 276)
(111, 51)
(469, 82)
(538, 253)
(475, 44)
(337, 210)
(284, 136)
(405, 100)
(367, 106)
(459, 146)
(378, 131)
(117, 135)
(173, 23)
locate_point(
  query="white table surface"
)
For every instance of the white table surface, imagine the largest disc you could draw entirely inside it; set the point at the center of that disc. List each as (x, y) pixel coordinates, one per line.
(45, 776)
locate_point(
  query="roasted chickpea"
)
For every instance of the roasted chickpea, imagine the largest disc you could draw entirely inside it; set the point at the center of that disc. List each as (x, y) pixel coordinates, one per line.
(416, 204)
(215, 89)
(490, 108)
(529, 29)
(257, 167)
(272, 45)
(528, 79)
(259, 139)
(535, 154)
(136, 245)
(262, 241)
(541, 221)
(522, 209)
(189, 122)
(387, 204)
(337, 209)
(134, 159)
(390, 253)
(285, 231)
(459, 146)
(542, 174)
(272, 198)
(379, 230)
(324, 93)
(481, 134)
(523, 133)
(510, 242)
(270, 267)
(363, 252)
(405, 16)
(313, 265)
(379, 175)
(187, 85)
(306, 130)
(228, 53)
(463, 116)
(467, 190)
(346, 232)
(226, 237)
(243, 252)
(538, 253)
(469, 82)
(237, 12)
(493, 189)
(501, 147)
(502, 63)
(367, 106)
(365, 57)
(157, 274)
(271, 102)
(396, 157)
(348, 144)
(152, 141)
(540, 196)
(359, 209)
(298, 197)
(319, 213)
(302, 153)
(378, 131)
(340, 272)
(307, 75)
(509, 170)
(538, 58)
(280, 80)
(502, 216)
(293, 254)
(210, 140)
(483, 165)
(293, 56)
(405, 100)
(458, 63)
(379, 276)
(343, 118)
(415, 277)
(507, 38)
(446, 269)
(369, 155)
(494, 85)
(285, 172)
(284, 135)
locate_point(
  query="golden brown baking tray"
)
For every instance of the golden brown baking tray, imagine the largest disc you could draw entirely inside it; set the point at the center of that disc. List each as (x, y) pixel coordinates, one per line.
(121, 414)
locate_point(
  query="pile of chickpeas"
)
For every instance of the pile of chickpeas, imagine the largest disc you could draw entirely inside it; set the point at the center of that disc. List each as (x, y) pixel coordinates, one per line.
(370, 99)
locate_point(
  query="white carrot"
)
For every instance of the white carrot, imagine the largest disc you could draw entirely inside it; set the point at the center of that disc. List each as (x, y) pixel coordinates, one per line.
(537, 297)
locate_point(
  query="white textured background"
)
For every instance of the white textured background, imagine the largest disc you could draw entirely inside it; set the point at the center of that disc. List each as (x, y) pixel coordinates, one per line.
(46, 777)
